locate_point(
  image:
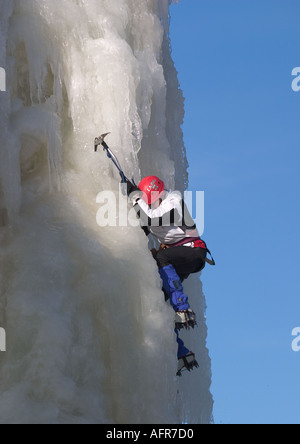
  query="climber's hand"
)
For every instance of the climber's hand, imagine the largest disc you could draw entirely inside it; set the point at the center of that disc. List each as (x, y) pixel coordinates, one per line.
(133, 192)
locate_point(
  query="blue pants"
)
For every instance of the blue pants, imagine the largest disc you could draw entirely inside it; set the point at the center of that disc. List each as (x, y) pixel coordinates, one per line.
(172, 285)
(182, 350)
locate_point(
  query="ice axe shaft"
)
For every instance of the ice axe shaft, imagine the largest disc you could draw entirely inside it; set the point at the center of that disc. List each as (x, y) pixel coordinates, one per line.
(100, 141)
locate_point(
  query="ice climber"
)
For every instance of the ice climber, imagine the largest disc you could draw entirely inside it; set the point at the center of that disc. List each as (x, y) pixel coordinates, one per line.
(181, 251)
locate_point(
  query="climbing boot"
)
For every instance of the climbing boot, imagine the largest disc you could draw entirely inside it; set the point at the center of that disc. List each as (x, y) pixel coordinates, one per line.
(187, 362)
(185, 319)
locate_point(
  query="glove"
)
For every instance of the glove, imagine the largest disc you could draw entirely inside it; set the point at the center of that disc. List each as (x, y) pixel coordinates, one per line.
(131, 190)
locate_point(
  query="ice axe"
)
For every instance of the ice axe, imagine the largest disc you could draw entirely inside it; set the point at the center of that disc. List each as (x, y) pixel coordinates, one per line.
(100, 141)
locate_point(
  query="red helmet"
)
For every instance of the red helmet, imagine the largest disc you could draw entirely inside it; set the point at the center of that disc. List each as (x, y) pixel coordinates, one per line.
(152, 188)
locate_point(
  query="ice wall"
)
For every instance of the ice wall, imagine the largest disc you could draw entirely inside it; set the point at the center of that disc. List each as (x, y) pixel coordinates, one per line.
(89, 337)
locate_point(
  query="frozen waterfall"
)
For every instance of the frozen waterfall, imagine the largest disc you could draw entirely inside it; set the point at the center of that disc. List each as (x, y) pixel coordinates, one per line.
(89, 338)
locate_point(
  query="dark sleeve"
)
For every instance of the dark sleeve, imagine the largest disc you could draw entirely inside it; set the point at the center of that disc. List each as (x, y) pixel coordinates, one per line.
(146, 231)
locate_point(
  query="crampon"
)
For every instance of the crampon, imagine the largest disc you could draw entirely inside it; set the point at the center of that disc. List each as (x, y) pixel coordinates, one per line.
(187, 362)
(185, 319)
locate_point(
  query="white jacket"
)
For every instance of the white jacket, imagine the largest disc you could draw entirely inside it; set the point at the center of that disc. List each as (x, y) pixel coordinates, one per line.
(171, 222)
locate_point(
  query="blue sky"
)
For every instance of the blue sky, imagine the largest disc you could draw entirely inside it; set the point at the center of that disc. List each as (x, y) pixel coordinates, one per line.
(242, 135)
